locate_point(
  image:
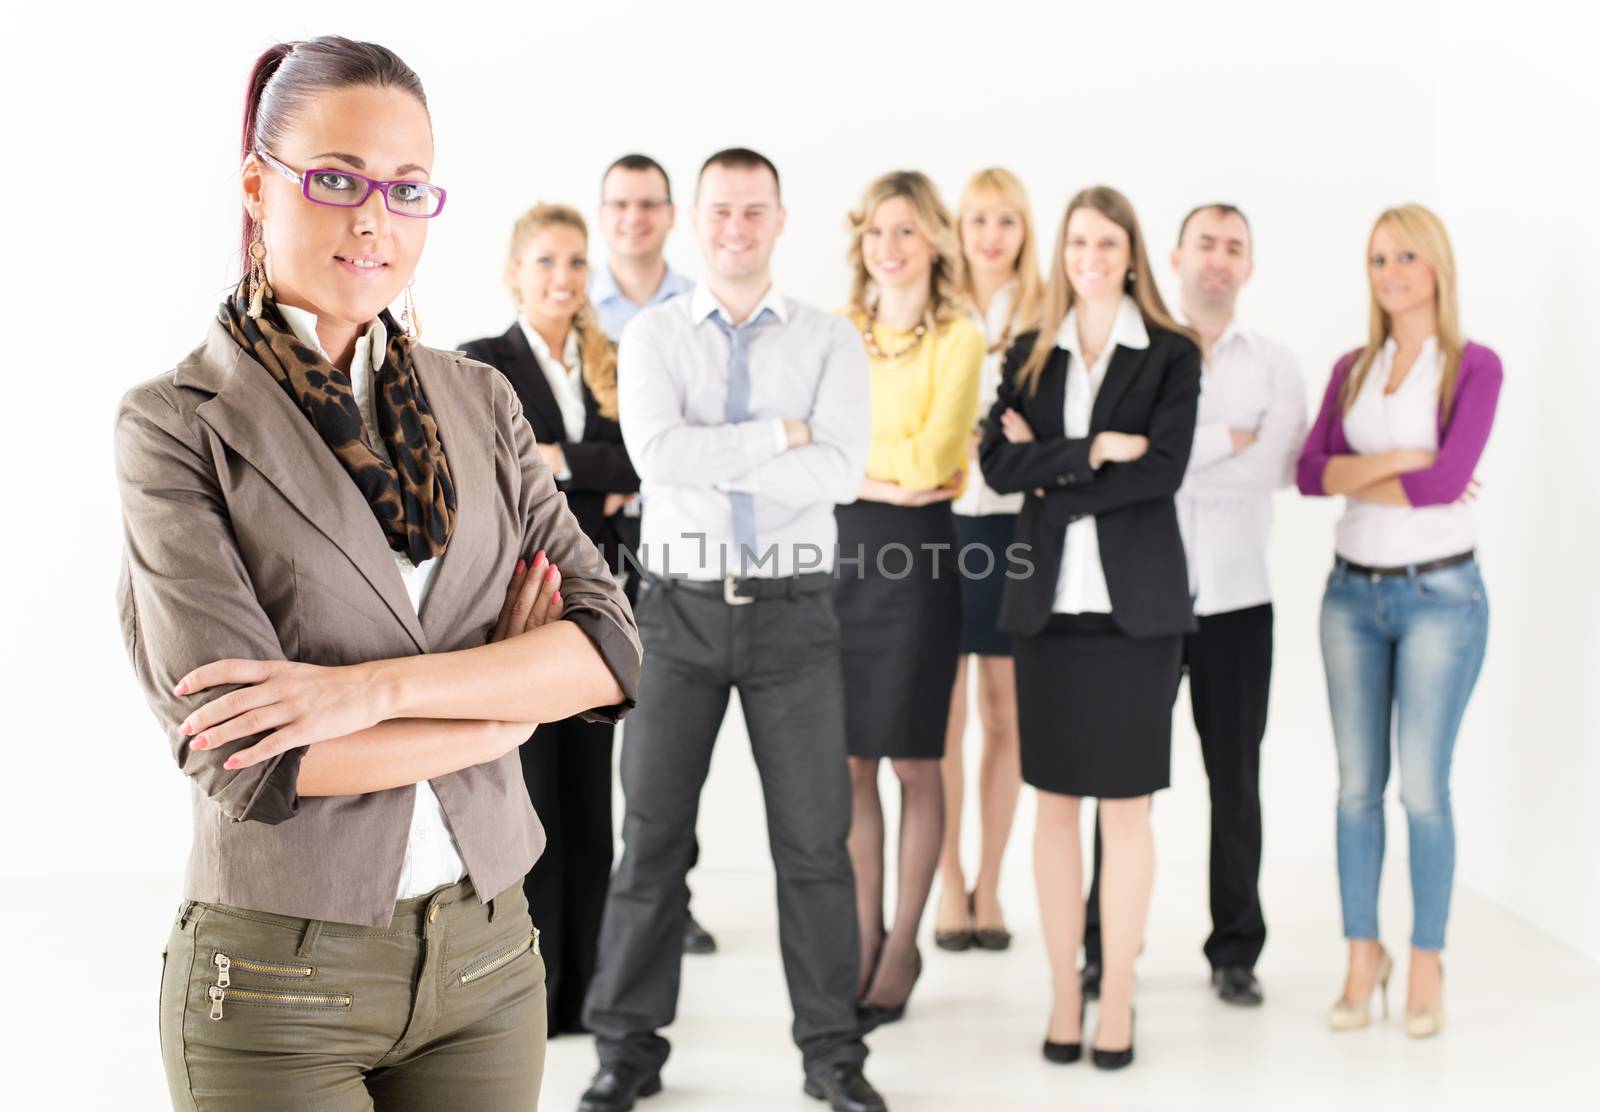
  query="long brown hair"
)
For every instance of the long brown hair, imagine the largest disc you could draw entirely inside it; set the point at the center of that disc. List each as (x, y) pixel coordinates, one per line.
(1002, 185)
(596, 349)
(945, 297)
(1058, 295)
(1424, 233)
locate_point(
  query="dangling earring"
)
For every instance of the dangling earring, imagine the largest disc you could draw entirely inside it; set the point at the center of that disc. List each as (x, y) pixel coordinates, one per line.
(408, 316)
(258, 273)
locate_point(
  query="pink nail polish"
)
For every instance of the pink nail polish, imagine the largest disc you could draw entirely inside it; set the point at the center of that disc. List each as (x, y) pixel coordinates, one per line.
(199, 742)
(181, 689)
(551, 574)
(520, 565)
(556, 598)
(231, 762)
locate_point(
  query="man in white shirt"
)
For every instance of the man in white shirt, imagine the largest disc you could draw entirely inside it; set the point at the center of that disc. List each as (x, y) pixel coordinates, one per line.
(636, 215)
(1251, 422)
(747, 417)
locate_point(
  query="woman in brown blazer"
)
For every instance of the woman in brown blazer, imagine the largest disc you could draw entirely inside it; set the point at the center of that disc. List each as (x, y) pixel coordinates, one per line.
(321, 519)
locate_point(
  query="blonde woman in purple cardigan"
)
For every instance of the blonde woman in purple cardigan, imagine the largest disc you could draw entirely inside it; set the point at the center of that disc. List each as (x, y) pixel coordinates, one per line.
(1405, 617)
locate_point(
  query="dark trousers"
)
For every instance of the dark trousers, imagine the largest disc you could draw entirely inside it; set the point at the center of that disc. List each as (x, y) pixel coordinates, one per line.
(782, 654)
(567, 767)
(1230, 671)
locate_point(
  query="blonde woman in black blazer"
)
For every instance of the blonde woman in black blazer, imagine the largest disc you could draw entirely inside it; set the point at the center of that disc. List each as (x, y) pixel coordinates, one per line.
(1094, 421)
(564, 369)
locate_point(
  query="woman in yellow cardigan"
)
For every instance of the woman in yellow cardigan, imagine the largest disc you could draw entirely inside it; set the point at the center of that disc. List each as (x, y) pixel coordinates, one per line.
(898, 596)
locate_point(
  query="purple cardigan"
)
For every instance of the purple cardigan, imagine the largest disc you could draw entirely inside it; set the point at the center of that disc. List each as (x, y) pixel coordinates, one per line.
(1461, 441)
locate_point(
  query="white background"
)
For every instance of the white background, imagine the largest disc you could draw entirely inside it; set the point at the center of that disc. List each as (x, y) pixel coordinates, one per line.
(121, 229)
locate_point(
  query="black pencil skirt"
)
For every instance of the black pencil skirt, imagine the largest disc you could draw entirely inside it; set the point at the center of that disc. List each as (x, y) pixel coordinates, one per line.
(983, 565)
(899, 614)
(1094, 707)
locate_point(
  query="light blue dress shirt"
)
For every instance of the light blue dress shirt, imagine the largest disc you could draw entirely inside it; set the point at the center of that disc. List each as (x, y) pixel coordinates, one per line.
(615, 310)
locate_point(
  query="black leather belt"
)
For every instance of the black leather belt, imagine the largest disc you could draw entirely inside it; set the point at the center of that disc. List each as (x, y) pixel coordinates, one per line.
(1409, 569)
(736, 591)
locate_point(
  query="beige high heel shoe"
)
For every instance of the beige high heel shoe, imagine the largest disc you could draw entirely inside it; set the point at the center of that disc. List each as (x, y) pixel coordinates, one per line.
(1345, 1016)
(1430, 1021)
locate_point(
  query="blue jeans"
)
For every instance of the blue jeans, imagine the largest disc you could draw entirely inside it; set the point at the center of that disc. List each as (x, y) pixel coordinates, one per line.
(1402, 654)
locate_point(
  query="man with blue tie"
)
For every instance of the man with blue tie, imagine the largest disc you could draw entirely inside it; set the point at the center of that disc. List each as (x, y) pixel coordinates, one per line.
(746, 415)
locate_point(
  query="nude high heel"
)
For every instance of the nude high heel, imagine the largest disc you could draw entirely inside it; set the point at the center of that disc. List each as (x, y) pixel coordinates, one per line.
(1345, 1016)
(1430, 1021)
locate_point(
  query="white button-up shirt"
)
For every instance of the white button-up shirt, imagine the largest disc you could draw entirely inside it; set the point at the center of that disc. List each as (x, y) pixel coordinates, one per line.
(565, 376)
(432, 858)
(1382, 536)
(978, 499)
(1081, 583)
(672, 389)
(1252, 384)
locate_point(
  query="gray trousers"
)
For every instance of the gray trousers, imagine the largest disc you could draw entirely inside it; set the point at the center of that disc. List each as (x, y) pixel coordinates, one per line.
(782, 653)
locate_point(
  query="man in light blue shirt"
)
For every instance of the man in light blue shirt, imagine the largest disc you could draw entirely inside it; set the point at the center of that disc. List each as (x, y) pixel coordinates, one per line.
(636, 214)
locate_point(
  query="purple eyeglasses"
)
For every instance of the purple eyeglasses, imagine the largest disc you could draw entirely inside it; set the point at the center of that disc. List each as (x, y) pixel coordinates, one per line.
(347, 189)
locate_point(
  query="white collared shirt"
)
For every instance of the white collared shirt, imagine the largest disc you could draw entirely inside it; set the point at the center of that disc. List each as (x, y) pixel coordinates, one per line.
(1081, 583)
(565, 376)
(672, 389)
(1382, 536)
(432, 858)
(1224, 507)
(979, 499)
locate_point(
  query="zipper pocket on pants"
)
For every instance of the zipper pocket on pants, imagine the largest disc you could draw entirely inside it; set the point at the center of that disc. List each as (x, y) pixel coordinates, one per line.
(223, 989)
(486, 966)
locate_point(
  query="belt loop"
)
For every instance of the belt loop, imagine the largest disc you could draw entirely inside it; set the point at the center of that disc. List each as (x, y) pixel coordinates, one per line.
(309, 938)
(184, 913)
(491, 909)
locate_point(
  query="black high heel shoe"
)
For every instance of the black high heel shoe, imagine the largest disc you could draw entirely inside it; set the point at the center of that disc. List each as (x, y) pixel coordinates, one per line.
(993, 939)
(1115, 1059)
(1064, 1053)
(872, 1016)
(957, 940)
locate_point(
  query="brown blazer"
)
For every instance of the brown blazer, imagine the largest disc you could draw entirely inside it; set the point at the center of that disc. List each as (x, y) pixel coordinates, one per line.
(246, 538)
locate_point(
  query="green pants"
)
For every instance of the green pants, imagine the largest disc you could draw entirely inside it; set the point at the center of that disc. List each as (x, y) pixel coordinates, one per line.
(444, 1009)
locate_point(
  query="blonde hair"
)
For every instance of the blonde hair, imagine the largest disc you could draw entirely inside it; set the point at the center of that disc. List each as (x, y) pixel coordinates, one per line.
(1424, 233)
(1005, 187)
(946, 298)
(1059, 298)
(598, 353)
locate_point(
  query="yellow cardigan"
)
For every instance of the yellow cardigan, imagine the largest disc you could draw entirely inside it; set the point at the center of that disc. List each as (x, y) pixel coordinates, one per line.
(924, 405)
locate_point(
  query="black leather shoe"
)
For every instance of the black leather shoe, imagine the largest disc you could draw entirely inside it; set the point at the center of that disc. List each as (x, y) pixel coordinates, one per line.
(696, 939)
(845, 1088)
(1237, 985)
(1064, 1053)
(872, 1016)
(1114, 1059)
(1089, 980)
(615, 1088)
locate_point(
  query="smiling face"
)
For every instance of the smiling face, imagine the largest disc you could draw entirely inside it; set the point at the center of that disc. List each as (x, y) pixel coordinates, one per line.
(737, 220)
(1401, 281)
(1097, 256)
(343, 264)
(895, 252)
(635, 215)
(549, 277)
(991, 237)
(1213, 259)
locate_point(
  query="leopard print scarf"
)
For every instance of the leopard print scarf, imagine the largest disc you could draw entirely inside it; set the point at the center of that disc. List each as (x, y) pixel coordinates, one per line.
(415, 503)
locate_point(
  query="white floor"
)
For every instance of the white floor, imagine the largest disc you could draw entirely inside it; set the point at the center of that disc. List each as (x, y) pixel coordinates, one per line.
(1523, 1028)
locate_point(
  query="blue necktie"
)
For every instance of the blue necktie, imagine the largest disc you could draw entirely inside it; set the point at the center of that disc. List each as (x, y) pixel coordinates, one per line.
(744, 507)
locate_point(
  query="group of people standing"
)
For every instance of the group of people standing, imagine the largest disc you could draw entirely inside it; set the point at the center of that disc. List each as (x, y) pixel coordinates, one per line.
(827, 512)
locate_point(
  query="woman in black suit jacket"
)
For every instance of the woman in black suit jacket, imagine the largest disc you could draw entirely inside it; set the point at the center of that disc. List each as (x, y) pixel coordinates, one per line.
(564, 369)
(1094, 420)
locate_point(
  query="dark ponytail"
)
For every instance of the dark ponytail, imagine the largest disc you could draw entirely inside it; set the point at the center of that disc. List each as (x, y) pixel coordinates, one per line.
(287, 75)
